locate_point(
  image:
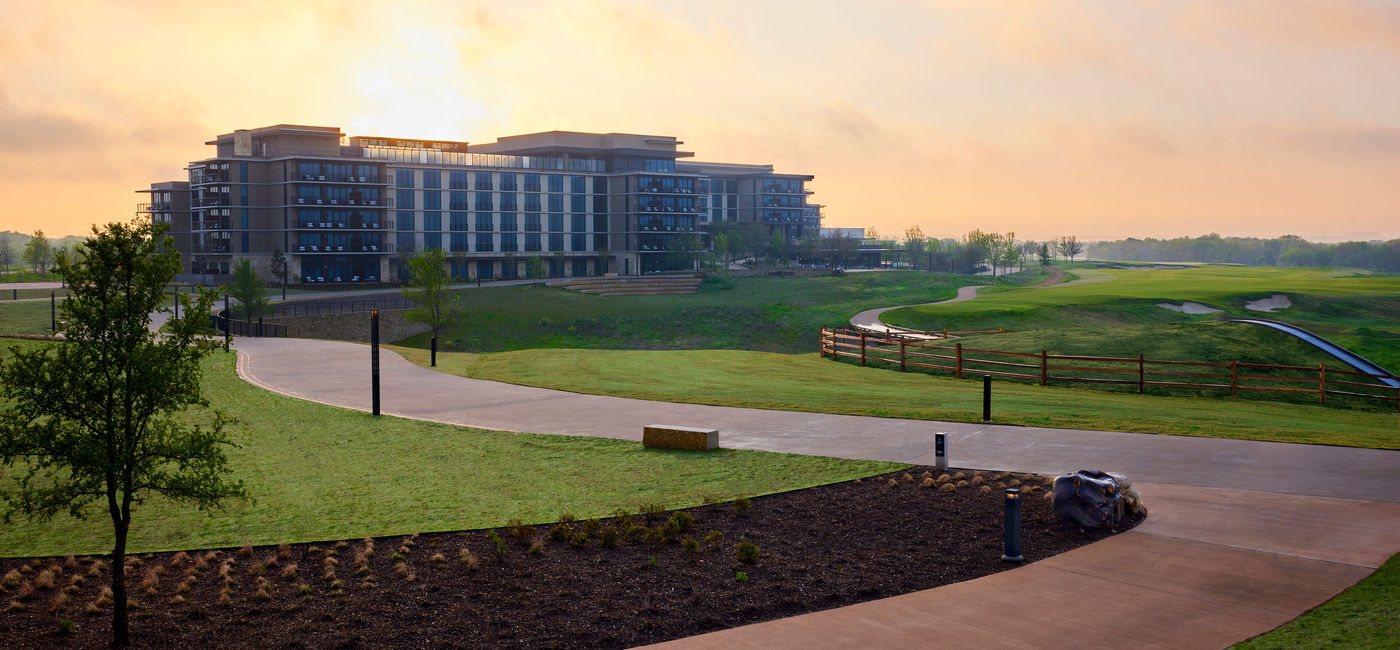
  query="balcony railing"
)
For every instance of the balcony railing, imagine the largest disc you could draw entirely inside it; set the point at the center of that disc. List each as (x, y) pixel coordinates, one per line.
(204, 179)
(209, 225)
(340, 249)
(335, 178)
(342, 225)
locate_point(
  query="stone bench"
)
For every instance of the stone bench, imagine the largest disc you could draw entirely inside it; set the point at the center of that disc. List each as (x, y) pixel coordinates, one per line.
(664, 436)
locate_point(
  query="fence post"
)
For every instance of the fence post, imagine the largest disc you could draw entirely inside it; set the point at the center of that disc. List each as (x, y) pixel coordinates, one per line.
(901, 355)
(1141, 379)
(1234, 372)
(1321, 383)
(958, 347)
(862, 348)
(1044, 368)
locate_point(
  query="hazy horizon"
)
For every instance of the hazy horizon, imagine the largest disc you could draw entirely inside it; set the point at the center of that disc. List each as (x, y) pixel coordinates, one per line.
(1102, 120)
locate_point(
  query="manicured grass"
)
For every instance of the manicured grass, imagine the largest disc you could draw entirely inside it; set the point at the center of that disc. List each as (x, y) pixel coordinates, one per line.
(806, 382)
(774, 314)
(1365, 616)
(318, 472)
(26, 317)
(1357, 310)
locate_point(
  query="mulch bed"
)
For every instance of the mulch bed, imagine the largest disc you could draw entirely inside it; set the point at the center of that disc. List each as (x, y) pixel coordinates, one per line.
(817, 548)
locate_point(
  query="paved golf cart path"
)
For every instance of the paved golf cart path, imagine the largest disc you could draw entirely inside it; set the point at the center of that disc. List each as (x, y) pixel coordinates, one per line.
(1242, 537)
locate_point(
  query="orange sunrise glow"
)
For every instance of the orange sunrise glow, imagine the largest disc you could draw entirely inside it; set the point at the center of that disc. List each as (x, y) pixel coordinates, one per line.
(1101, 119)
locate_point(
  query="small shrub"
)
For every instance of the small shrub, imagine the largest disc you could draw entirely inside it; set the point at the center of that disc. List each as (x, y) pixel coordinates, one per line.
(566, 517)
(132, 603)
(537, 547)
(284, 551)
(247, 550)
(741, 577)
(289, 572)
(468, 559)
(25, 591)
(178, 558)
(650, 510)
(906, 478)
(335, 586)
(262, 594)
(225, 598)
(928, 482)
(651, 560)
(656, 535)
(76, 580)
(985, 489)
(591, 526)
(401, 570)
(746, 551)
(271, 560)
(522, 532)
(671, 530)
(624, 518)
(959, 476)
(256, 570)
(177, 600)
(579, 540)
(689, 544)
(891, 483)
(105, 597)
(742, 505)
(438, 559)
(978, 480)
(684, 520)
(132, 562)
(926, 474)
(1013, 483)
(66, 626)
(609, 536)
(714, 536)
(637, 531)
(560, 532)
(947, 487)
(184, 587)
(943, 478)
(961, 484)
(45, 580)
(398, 557)
(501, 548)
(58, 602)
(12, 578)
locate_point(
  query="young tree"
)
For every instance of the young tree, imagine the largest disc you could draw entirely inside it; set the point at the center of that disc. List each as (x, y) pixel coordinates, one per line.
(279, 269)
(777, 245)
(7, 254)
(248, 290)
(100, 418)
(1045, 259)
(1071, 247)
(535, 268)
(428, 287)
(914, 245)
(38, 253)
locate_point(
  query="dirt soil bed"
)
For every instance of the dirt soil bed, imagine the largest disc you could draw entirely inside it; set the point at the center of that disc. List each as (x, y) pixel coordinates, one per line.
(817, 548)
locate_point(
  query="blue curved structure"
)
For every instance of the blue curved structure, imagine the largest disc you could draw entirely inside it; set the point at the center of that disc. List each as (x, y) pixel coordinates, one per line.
(1346, 356)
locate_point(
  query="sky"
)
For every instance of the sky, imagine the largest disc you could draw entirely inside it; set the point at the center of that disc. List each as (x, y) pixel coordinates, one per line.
(1100, 120)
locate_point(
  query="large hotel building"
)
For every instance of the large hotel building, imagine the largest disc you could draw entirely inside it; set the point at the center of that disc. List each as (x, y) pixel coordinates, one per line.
(350, 209)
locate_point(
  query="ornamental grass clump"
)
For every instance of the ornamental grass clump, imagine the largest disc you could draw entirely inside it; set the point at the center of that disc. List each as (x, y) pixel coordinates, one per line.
(742, 506)
(466, 558)
(560, 532)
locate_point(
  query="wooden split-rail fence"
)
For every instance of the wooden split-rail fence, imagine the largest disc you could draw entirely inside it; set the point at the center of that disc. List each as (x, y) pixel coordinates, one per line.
(909, 352)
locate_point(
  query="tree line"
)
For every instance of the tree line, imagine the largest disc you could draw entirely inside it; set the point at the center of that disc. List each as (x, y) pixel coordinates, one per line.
(1288, 250)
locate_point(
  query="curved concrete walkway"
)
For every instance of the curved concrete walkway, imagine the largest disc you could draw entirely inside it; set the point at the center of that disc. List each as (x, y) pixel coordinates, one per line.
(870, 318)
(1243, 536)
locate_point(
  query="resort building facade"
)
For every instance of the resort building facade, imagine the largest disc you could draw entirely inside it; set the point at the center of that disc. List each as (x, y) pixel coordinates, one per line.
(351, 209)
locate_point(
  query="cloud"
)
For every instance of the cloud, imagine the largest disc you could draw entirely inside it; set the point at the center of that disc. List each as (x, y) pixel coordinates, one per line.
(1294, 26)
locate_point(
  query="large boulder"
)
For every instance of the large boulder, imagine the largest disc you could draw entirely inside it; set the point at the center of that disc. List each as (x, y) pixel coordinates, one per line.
(1095, 499)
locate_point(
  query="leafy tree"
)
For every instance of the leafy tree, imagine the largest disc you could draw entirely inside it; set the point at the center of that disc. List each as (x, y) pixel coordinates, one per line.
(279, 269)
(1071, 247)
(38, 254)
(914, 245)
(428, 288)
(7, 254)
(1045, 259)
(871, 232)
(777, 245)
(535, 268)
(100, 418)
(681, 251)
(247, 289)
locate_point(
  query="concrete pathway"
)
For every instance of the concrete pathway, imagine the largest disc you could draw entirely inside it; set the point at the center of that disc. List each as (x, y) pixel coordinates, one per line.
(870, 318)
(1242, 537)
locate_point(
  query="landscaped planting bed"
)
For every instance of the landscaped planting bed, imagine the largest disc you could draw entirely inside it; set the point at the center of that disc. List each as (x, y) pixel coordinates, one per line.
(641, 577)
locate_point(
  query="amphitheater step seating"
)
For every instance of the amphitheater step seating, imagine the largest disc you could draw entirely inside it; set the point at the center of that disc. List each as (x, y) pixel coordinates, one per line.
(666, 285)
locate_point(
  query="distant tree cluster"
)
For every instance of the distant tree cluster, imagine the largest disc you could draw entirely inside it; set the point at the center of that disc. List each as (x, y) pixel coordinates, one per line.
(1289, 250)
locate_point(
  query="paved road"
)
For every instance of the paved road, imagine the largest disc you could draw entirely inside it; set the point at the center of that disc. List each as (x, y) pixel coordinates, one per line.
(1243, 536)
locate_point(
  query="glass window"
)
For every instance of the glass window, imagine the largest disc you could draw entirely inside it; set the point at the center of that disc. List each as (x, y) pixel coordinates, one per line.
(600, 223)
(556, 202)
(532, 222)
(458, 180)
(578, 184)
(532, 203)
(483, 201)
(432, 179)
(556, 223)
(600, 203)
(483, 180)
(405, 199)
(432, 221)
(432, 200)
(578, 223)
(532, 241)
(532, 182)
(578, 242)
(508, 202)
(459, 242)
(508, 243)
(556, 241)
(432, 240)
(483, 244)
(508, 182)
(457, 201)
(403, 177)
(508, 222)
(577, 203)
(600, 184)
(406, 242)
(406, 221)
(483, 222)
(556, 182)
(458, 221)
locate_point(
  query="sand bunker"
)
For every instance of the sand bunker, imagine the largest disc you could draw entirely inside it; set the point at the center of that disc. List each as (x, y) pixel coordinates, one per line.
(1188, 308)
(1272, 303)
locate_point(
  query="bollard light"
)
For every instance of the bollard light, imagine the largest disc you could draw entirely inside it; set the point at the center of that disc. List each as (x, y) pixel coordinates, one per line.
(53, 312)
(986, 398)
(940, 450)
(374, 359)
(1012, 552)
(433, 362)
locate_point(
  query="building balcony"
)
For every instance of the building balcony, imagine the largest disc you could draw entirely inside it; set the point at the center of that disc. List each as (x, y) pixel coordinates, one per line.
(211, 249)
(205, 179)
(341, 249)
(208, 202)
(209, 225)
(345, 225)
(317, 178)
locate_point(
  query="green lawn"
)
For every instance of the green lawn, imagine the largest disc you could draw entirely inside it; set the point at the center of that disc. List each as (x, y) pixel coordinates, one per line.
(1365, 616)
(773, 314)
(806, 382)
(1355, 309)
(318, 472)
(29, 317)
